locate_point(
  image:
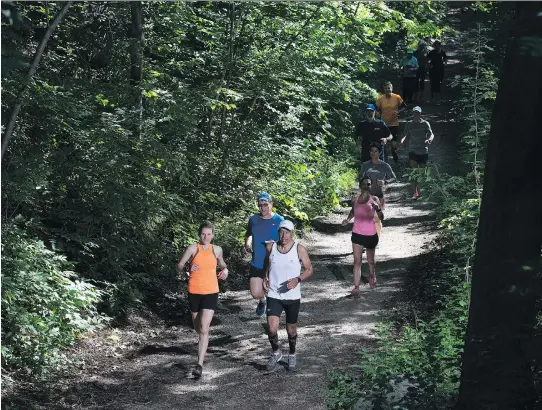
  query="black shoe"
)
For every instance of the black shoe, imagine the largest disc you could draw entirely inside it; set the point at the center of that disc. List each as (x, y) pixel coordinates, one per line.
(198, 370)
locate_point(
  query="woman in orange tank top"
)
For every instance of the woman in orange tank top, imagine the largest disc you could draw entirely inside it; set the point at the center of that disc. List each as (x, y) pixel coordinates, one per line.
(203, 285)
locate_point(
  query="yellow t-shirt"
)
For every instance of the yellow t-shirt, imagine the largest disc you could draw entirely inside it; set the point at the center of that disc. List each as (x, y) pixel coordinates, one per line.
(388, 108)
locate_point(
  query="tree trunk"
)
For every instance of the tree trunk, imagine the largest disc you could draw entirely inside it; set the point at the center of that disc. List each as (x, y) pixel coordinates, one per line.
(22, 93)
(502, 347)
(136, 58)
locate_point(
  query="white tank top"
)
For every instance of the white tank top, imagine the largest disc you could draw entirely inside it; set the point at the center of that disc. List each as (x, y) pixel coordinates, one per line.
(283, 267)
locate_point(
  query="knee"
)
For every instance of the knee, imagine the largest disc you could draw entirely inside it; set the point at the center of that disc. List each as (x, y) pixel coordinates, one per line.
(371, 259)
(272, 329)
(256, 294)
(203, 329)
(291, 330)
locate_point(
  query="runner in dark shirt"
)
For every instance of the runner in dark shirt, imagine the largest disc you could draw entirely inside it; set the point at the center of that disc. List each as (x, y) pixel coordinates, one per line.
(369, 131)
(436, 58)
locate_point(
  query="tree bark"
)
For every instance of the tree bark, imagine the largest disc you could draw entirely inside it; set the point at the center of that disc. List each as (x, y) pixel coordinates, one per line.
(22, 93)
(502, 346)
(136, 59)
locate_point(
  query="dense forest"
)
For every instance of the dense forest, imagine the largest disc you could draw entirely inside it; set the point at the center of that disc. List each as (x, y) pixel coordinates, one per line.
(127, 124)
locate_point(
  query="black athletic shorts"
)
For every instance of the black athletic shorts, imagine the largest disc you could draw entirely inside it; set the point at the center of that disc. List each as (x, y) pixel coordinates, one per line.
(255, 272)
(394, 130)
(290, 307)
(368, 242)
(199, 302)
(420, 159)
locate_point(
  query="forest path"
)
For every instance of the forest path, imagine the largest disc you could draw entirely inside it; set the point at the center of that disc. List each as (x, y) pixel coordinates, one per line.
(333, 327)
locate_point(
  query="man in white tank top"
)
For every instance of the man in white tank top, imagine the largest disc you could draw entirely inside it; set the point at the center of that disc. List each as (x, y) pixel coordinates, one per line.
(283, 286)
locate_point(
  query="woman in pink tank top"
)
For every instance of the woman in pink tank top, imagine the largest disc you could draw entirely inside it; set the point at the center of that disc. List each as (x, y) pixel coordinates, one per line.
(364, 233)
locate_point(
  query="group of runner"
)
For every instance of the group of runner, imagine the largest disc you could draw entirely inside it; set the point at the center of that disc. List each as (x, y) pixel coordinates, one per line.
(279, 263)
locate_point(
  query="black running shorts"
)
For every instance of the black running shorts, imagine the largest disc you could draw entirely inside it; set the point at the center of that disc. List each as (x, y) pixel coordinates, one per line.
(368, 242)
(394, 131)
(290, 307)
(199, 302)
(420, 159)
(255, 272)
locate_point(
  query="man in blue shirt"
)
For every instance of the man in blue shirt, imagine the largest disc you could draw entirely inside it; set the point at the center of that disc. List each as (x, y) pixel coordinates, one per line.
(369, 131)
(262, 228)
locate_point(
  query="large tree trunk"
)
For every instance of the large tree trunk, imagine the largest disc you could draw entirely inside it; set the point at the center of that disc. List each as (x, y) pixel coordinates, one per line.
(22, 93)
(502, 348)
(136, 66)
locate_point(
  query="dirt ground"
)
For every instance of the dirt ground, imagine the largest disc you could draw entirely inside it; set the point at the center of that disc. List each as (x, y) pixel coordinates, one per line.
(145, 366)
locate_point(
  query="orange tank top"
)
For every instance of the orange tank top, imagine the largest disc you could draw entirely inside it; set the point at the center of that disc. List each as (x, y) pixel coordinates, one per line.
(204, 281)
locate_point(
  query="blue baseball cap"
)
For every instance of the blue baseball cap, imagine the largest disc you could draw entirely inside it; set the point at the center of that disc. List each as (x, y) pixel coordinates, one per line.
(264, 196)
(370, 107)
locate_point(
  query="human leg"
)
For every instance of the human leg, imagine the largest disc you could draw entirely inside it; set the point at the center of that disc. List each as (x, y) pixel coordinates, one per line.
(256, 288)
(371, 263)
(274, 310)
(291, 309)
(358, 252)
(395, 136)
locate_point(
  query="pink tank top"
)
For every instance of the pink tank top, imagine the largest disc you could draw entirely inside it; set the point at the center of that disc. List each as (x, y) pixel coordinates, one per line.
(364, 223)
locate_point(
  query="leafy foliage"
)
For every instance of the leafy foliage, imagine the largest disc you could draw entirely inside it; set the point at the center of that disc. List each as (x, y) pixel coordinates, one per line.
(45, 306)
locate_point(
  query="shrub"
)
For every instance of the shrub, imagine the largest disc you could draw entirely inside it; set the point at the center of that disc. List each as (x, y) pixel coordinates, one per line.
(45, 307)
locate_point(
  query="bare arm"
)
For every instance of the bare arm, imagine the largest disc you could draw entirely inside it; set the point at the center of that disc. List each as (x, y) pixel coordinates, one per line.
(266, 265)
(188, 253)
(391, 174)
(248, 240)
(223, 274)
(351, 213)
(429, 132)
(405, 134)
(305, 261)
(307, 265)
(377, 206)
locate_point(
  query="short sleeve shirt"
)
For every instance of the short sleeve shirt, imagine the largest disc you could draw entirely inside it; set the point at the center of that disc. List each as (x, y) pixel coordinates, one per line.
(408, 63)
(388, 108)
(369, 132)
(262, 230)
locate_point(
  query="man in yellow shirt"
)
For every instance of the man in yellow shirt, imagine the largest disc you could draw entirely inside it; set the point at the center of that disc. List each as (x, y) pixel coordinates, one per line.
(390, 105)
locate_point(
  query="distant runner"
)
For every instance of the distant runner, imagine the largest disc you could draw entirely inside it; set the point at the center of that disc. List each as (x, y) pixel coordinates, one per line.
(364, 233)
(381, 175)
(390, 105)
(261, 228)
(409, 66)
(371, 130)
(203, 285)
(436, 58)
(283, 285)
(421, 56)
(419, 135)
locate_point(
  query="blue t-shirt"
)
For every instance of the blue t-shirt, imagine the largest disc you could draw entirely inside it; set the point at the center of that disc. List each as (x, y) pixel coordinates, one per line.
(262, 230)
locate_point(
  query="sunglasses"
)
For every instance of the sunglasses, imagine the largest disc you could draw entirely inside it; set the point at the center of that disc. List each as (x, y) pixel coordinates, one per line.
(263, 205)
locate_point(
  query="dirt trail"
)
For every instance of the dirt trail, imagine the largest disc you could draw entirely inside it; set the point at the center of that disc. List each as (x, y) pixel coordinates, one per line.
(332, 325)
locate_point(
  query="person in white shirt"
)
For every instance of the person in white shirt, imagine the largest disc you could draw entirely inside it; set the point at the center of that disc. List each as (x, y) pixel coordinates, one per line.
(283, 286)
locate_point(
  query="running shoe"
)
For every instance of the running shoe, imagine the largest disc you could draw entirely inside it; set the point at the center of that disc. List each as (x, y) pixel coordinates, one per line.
(198, 370)
(260, 309)
(292, 362)
(273, 360)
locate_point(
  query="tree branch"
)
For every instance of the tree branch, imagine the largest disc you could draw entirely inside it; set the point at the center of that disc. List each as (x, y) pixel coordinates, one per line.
(22, 93)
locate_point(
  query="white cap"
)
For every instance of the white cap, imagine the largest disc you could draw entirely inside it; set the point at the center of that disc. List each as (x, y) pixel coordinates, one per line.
(287, 225)
(417, 108)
